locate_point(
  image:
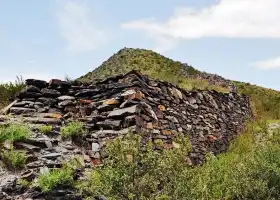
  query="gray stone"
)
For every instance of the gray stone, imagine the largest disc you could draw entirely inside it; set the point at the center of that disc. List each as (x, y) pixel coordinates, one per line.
(49, 144)
(47, 101)
(50, 93)
(51, 155)
(65, 97)
(39, 120)
(95, 147)
(23, 103)
(26, 146)
(109, 124)
(19, 111)
(66, 103)
(123, 112)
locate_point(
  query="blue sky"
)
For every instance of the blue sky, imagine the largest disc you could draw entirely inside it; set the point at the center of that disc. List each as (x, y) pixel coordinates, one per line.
(238, 39)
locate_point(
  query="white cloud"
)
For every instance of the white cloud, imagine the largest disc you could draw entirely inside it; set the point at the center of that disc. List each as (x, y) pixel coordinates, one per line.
(226, 18)
(81, 32)
(273, 63)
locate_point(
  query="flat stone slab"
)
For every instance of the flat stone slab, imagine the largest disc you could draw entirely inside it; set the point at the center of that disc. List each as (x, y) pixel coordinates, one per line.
(40, 120)
(124, 111)
(19, 111)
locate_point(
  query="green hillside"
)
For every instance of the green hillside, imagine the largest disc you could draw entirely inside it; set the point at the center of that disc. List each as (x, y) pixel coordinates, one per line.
(146, 61)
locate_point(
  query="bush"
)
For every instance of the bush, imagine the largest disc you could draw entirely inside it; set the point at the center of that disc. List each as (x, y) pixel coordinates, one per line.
(14, 132)
(9, 90)
(72, 129)
(14, 159)
(134, 172)
(249, 170)
(58, 177)
(46, 129)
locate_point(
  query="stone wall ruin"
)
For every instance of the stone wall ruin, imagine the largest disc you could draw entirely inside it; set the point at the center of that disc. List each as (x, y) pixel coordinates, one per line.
(117, 105)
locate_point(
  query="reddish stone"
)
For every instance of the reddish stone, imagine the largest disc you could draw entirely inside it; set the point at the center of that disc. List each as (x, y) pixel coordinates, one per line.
(137, 95)
(56, 115)
(212, 138)
(167, 146)
(85, 101)
(96, 162)
(55, 82)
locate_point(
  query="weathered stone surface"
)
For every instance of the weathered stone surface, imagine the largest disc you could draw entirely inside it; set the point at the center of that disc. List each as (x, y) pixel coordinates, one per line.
(50, 93)
(38, 120)
(47, 101)
(64, 98)
(109, 124)
(122, 112)
(66, 103)
(19, 111)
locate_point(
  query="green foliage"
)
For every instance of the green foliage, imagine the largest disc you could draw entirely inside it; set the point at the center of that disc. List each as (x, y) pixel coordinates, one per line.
(265, 102)
(9, 90)
(135, 172)
(249, 170)
(46, 129)
(14, 159)
(73, 129)
(57, 177)
(14, 132)
(25, 183)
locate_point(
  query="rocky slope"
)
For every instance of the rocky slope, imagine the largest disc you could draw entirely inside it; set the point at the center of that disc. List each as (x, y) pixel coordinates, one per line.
(110, 108)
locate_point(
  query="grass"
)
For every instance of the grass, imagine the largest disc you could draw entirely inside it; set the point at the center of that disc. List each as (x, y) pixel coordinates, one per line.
(73, 129)
(9, 90)
(14, 159)
(14, 132)
(58, 177)
(265, 102)
(46, 129)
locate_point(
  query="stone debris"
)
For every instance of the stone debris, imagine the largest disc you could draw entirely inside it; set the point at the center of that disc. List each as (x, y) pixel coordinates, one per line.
(113, 107)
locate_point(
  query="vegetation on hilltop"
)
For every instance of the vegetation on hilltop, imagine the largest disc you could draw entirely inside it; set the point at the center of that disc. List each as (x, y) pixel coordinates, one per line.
(265, 102)
(152, 64)
(146, 61)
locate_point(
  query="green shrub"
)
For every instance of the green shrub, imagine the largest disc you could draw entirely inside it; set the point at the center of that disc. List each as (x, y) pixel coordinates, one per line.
(14, 159)
(9, 90)
(25, 183)
(58, 177)
(249, 170)
(131, 172)
(14, 132)
(72, 129)
(46, 129)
